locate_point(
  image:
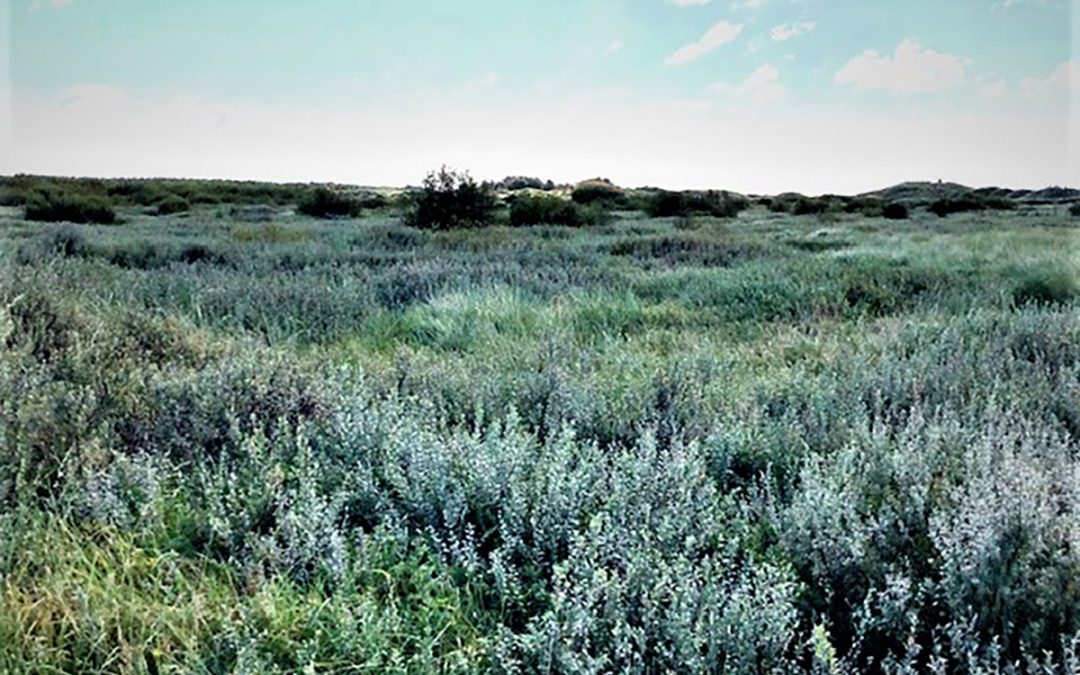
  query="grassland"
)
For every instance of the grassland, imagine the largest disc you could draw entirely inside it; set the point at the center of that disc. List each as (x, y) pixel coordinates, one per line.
(765, 443)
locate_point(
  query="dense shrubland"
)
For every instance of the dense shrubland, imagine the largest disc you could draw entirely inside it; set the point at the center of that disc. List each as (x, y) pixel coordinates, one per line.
(748, 444)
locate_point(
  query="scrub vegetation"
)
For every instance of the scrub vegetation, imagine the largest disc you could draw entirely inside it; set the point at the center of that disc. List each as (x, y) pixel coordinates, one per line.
(586, 430)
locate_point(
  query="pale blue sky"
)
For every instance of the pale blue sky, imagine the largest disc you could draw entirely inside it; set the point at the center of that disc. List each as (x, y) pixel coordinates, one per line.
(755, 95)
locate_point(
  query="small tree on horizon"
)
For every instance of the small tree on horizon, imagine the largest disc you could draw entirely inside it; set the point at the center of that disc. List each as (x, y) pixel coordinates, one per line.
(451, 199)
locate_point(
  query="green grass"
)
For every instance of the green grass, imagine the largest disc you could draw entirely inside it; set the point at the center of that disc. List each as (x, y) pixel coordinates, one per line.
(643, 445)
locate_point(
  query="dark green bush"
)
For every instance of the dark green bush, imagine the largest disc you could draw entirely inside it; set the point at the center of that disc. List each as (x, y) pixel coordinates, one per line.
(806, 206)
(451, 199)
(71, 207)
(666, 204)
(170, 204)
(1074, 210)
(373, 200)
(968, 203)
(599, 190)
(799, 205)
(895, 211)
(522, 183)
(326, 203)
(871, 207)
(534, 209)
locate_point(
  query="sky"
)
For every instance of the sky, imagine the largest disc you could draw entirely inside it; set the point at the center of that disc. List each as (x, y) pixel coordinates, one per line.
(752, 95)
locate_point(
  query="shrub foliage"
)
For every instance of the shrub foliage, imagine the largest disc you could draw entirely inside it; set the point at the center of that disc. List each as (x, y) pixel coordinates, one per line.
(58, 206)
(449, 199)
(539, 209)
(323, 202)
(599, 191)
(711, 203)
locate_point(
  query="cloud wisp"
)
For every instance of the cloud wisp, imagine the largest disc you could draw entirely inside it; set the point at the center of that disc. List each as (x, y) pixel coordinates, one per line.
(783, 33)
(761, 86)
(719, 34)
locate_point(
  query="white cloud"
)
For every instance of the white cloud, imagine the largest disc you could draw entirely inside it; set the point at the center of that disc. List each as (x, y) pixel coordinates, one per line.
(761, 86)
(997, 89)
(913, 69)
(785, 32)
(614, 47)
(1064, 78)
(35, 5)
(721, 33)
(747, 4)
(688, 3)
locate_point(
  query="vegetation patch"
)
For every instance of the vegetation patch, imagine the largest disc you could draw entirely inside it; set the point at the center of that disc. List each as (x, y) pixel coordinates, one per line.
(326, 203)
(451, 200)
(538, 209)
(60, 206)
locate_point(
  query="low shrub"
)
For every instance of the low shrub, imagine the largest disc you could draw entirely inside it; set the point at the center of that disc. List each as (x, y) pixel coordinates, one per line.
(1074, 210)
(325, 203)
(534, 209)
(799, 205)
(451, 199)
(806, 206)
(170, 204)
(970, 202)
(895, 211)
(523, 183)
(57, 206)
(599, 191)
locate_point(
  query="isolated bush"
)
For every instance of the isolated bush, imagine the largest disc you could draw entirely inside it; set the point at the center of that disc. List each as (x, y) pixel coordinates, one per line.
(895, 211)
(535, 209)
(599, 190)
(71, 207)
(170, 204)
(326, 203)
(1074, 210)
(451, 199)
